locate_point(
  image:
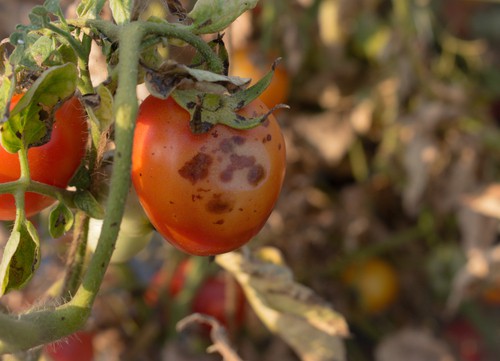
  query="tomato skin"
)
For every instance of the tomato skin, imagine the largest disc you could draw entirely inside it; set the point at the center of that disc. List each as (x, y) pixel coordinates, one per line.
(53, 163)
(206, 193)
(77, 347)
(246, 64)
(374, 284)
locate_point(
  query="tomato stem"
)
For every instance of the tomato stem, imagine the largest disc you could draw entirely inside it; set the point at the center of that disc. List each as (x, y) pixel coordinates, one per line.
(28, 330)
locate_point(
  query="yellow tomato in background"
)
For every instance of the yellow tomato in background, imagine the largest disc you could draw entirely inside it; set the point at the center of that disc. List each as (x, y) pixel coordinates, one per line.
(374, 284)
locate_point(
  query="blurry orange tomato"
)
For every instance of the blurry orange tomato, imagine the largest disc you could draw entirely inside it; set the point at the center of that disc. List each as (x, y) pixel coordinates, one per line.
(374, 284)
(248, 62)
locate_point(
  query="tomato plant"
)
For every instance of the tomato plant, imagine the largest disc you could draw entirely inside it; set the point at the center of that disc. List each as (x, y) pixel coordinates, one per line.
(246, 62)
(373, 283)
(77, 347)
(206, 193)
(53, 163)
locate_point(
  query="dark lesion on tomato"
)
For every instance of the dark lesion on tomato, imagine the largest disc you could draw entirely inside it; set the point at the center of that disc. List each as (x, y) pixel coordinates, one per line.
(219, 204)
(256, 174)
(197, 168)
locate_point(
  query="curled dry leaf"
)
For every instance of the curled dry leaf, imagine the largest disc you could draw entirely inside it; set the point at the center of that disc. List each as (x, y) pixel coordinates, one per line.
(218, 335)
(305, 321)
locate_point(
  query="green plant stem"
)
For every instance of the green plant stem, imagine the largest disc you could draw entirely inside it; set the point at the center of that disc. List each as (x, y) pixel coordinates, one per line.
(41, 188)
(23, 182)
(165, 29)
(43, 326)
(76, 256)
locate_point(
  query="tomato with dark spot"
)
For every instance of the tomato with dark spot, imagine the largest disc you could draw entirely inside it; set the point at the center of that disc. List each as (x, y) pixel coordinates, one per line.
(52, 163)
(186, 190)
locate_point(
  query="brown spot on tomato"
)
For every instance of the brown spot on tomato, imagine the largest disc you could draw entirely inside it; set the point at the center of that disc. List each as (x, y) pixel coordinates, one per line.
(219, 204)
(238, 139)
(226, 146)
(256, 174)
(196, 197)
(237, 162)
(197, 168)
(219, 222)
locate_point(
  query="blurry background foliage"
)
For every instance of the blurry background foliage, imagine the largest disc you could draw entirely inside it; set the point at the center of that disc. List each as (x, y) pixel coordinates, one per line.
(393, 154)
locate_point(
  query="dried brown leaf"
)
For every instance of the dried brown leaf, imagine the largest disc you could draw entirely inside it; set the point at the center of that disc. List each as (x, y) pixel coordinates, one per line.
(294, 312)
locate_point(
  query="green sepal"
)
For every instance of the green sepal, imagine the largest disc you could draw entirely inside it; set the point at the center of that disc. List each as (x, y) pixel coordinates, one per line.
(31, 119)
(209, 108)
(61, 220)
(21, 257)
(85, 201)
(212, 16)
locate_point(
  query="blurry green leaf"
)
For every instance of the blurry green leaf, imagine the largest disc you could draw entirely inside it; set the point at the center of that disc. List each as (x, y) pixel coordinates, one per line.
(86, 202)
(122, 10)
(21, 258)
(212, 16)
(60, 220)
(53, 6)
(39, 16)
(90, 9)
(306, 322)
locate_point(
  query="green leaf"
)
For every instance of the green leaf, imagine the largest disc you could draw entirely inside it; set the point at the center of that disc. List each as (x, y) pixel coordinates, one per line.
(33, 114)
(53, 6)
(121, 10)
(39, 16)
(90, 9)
(6, 84)
(60, 220)
(21, 257)
(102, 114)
(212, 16)
(86, 202)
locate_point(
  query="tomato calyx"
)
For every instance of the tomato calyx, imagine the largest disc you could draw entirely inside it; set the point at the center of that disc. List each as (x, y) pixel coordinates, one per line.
(210, 98)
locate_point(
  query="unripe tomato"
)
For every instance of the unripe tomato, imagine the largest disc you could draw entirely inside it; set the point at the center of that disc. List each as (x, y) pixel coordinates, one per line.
(246, 63)
(374, 285)
(53, 163)
(77, 347)
(206, 193)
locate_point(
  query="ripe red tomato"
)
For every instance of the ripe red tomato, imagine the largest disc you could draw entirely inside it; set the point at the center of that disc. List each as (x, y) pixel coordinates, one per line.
(245, 63)
(211, 298)
(465, 340)
(53, 163)
(374, 284)
(206, 193)
(77, 347)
